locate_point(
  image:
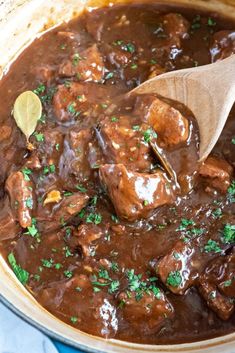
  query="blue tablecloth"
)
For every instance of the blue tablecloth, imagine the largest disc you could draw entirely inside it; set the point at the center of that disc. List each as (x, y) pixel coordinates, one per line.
(65, 349)
(17, 336)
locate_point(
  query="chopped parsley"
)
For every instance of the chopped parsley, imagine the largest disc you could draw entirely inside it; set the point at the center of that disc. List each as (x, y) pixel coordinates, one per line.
(118, 42)
(211, 22)
(39, 136)
(212, 246)
(26, 173)
(227, 283)
(49, 169)
(114, 119)
(76, 59)
(231, 192)
(57, 147)
(72, 109)
(58, 266)
(149, 134)
(32, 230)
(134, 66)
(129, 47)
(21, 274)
(217, 213)
(228, 235)
(74, 319)
(29, 203)
(114, 267)
(40, 89)
(136, 127)
(174, 279)
(47, 263)
(81, 188)
(68, 274)
(109, 75)
(185, 223)
(95, 218)
(114, 218)
(67, 250)
(196, 23)
(114, 286)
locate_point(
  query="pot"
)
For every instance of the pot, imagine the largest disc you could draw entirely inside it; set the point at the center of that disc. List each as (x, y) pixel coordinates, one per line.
(20, 22)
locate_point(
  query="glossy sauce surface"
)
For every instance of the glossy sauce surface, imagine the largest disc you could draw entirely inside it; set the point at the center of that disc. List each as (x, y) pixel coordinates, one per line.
(128, 249)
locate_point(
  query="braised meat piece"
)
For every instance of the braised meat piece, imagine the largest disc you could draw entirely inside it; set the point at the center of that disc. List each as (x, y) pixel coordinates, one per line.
(183, 265)
(147, 314)
(223, 45)
(87, 65)
(102, 316)
(217, 172)
(135, 195)
(55, 215)
(217, 286)
(9, 228)
(84, 237)
(178, 270)
(22, 197)
(75, 99)
(118, 57)
(176, 26)
(170, 125)
(75, 156)
(5, 132)
(123, 142)
(50, 150)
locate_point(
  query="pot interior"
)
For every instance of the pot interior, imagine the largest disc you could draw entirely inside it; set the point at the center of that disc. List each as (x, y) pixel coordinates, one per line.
(20, 22)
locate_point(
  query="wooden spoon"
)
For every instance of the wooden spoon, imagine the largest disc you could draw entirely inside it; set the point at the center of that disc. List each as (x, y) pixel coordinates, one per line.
(208, 91)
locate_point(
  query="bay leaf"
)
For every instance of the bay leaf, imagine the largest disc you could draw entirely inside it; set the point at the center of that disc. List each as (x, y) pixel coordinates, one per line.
(27, 111)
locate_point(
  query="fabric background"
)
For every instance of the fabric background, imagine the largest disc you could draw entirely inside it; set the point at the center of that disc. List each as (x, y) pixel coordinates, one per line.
(17, 336)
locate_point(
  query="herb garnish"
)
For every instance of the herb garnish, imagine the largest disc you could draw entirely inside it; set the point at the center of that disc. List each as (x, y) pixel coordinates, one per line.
(228, 235)
(95, 218)
(21, 274)
(212, 246)
(174, 279)
(26, 172)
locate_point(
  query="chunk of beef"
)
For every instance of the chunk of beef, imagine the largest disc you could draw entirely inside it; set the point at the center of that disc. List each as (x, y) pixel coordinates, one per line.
(182, 262)
(147, 314)
(101, 318)
(51, 149)
(118, 57)
(226, 277)
(121, 142)
(171, 126)
(88, 65)
(77, 98)
(22, 197)
(223, 45)
(217, 173)
(44, 73)
(135, 195)
(176, 26)
(5, 132)
(79, 143)
(9, 228)
(220, 304)
(33, 162)
(81, 154)
(54, 216)
(217, 286)
(84, 238)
